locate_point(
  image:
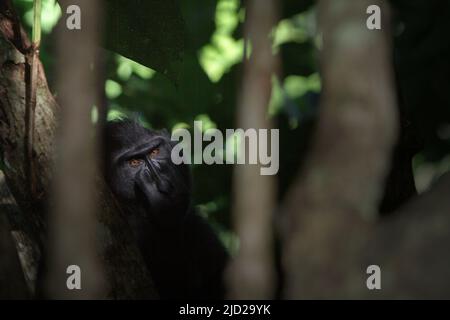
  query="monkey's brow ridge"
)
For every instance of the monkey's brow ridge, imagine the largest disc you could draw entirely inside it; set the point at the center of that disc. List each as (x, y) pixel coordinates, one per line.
(140, 148)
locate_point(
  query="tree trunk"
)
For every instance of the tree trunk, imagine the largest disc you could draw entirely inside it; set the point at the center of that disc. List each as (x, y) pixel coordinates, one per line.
(251, 274)
(341, 184)
(72, 223)
(12, 281)
(126, 274)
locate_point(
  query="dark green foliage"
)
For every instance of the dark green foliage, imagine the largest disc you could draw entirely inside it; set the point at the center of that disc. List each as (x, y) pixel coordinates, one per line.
(150, 32)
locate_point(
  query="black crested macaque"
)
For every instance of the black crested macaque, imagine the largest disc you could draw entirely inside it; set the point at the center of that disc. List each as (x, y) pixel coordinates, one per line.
(184, 256)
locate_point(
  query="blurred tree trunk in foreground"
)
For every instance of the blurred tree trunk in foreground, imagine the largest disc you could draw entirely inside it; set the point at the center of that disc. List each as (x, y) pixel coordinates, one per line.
(251, 274)
(412, 248)
(331, 237)
(126, 274)
(72, 223)
(343, 178)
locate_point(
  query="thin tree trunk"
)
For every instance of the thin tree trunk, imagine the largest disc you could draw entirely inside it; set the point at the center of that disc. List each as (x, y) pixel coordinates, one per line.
(251, 275)
(72, 221)
(411, 247)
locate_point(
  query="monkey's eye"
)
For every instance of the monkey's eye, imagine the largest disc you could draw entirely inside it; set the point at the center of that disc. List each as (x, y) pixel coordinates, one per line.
(135, 162)
(154, 153)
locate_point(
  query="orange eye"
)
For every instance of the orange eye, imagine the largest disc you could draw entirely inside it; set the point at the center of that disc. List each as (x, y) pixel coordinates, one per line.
(154, 153)
(135, 162)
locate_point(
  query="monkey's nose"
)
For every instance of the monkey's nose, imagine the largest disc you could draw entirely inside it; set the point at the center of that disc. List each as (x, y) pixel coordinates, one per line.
(163, 185)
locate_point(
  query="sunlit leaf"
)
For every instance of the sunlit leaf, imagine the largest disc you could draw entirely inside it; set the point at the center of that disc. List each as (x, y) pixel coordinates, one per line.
(112, 89)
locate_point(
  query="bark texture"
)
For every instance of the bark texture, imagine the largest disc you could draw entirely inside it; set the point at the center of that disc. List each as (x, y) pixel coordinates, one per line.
(12, 281)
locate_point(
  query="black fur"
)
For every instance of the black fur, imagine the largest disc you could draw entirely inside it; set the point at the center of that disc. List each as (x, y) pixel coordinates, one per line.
(184, 256)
